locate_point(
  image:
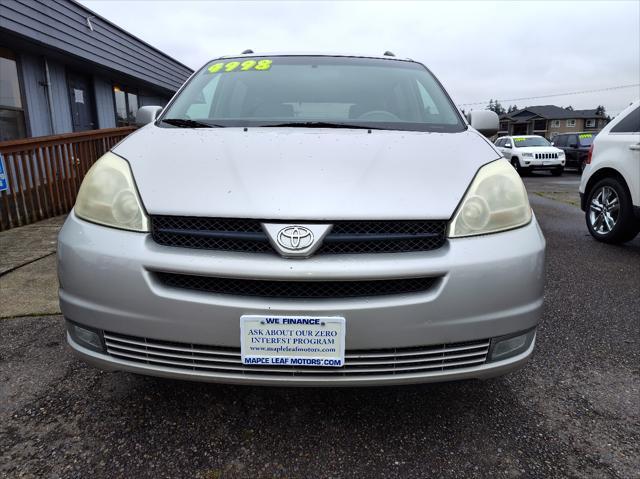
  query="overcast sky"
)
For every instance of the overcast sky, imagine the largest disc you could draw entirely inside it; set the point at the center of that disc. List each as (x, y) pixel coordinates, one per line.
(479, 50)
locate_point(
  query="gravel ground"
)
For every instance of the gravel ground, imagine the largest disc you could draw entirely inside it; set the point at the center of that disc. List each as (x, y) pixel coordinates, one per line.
(572, 412)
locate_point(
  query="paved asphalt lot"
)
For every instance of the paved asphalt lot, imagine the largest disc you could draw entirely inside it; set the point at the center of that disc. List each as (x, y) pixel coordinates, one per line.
(572, 412)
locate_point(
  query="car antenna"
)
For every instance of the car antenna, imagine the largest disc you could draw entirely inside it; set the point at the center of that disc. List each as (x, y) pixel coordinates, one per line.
(248, 50)
(389, 54)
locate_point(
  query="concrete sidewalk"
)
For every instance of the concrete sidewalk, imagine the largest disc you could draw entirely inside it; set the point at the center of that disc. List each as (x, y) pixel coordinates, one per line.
(28, 279)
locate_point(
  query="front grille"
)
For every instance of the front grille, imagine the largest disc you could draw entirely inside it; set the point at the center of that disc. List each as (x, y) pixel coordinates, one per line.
(346, 237)
(546, 156)
(222, 234)
(225, 360)
(384, 237)
(295, 289)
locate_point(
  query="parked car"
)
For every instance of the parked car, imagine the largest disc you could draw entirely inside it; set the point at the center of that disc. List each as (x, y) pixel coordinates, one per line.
(531, 152)
(304, 220)
(576, 147)
(610, 185)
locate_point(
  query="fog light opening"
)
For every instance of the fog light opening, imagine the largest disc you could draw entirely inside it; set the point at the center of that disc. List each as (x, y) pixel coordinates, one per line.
(86, 337)
(503, 348)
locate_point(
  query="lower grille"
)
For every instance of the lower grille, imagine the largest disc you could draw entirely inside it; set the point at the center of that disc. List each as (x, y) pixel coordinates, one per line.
(216, 360)
(295, 289)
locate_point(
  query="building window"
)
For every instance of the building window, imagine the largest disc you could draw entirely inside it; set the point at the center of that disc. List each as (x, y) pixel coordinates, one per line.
(590, 124)
(555, 124)
(571, 123)
(504, 126)
(12, 124)
(539, 125)
(126, 102)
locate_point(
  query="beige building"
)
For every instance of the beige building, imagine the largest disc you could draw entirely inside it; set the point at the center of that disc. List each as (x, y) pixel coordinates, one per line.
(550, 120)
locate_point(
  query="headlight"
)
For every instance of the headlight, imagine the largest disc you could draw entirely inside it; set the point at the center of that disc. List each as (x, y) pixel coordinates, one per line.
(527, 155)
(109, 196)
(560, 153)
(496, 201)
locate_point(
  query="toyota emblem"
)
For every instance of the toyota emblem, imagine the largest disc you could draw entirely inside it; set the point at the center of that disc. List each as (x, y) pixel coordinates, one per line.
(295, 238)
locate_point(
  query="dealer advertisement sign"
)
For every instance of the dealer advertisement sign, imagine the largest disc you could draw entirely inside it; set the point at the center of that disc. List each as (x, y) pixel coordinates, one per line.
(4, 181)
(292, 340)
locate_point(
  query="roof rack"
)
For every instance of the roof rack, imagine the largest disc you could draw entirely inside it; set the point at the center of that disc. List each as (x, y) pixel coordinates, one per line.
(389, 54)
(248, 50)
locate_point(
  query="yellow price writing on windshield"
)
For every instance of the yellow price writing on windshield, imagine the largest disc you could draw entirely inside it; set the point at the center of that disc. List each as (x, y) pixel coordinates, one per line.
(519, 139)
(586, 135)
(226, 67)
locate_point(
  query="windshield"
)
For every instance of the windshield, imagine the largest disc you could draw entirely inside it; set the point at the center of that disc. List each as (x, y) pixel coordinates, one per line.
(315, 91)
(585, 139)
(525, 142)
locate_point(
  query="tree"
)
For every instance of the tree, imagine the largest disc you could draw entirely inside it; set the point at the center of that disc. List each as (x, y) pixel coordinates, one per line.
(568, 108)
(512, 108)
(496, 107)
(600, 111)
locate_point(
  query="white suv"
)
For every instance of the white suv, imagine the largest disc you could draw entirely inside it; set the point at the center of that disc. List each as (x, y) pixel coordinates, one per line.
(531, 152)
(610, 186)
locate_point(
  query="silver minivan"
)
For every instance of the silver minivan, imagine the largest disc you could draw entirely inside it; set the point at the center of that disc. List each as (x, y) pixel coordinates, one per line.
(304, 220)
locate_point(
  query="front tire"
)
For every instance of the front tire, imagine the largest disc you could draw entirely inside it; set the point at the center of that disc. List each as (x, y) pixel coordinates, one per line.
(609, 212)
(515, 162)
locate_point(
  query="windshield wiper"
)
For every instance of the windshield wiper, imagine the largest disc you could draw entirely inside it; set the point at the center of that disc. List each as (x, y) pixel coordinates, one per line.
(185, 123)
(321, 124)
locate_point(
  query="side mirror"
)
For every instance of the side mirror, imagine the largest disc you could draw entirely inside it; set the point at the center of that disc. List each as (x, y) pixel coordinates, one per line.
(147, 114)
(507, 145)
(485, 121)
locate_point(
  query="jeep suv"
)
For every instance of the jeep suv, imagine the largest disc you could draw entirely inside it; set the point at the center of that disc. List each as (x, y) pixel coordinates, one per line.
(531, 152)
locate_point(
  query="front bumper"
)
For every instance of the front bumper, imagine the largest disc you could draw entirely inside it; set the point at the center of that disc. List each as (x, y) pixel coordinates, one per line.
(548, 164)
(489, 286)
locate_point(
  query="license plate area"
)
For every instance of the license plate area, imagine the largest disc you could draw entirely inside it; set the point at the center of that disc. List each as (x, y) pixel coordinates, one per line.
(298, 341)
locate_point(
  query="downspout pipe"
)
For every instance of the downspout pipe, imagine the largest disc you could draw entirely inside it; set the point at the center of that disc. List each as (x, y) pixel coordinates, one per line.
(49, 97)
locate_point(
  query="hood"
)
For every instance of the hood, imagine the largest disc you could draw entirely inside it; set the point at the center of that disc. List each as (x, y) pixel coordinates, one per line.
(303, 173)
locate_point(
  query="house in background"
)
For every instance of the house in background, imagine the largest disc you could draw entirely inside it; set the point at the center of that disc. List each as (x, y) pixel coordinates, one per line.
(63, 68)
(550, 120)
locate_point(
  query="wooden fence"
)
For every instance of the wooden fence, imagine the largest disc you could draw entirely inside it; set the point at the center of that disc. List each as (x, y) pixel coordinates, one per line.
(44, 173)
